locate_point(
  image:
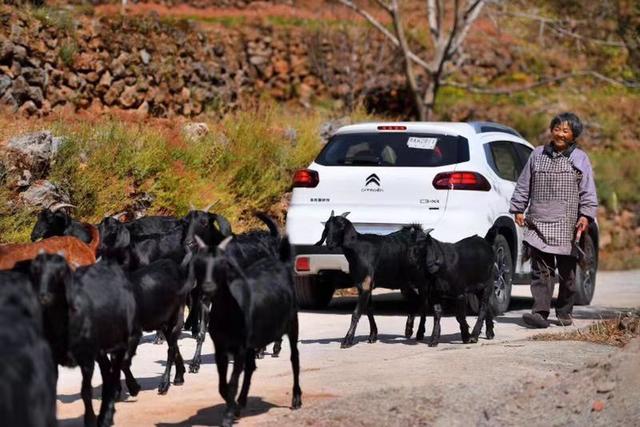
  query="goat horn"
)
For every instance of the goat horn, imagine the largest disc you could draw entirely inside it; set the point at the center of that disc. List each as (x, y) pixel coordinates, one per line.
(428, 230)
(223, 245)
(344, 214)
(57, 206)
(332, 214)
(192, 207)
(208, 207)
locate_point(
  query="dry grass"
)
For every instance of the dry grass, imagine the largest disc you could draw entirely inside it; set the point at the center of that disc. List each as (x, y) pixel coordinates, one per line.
(617, 332)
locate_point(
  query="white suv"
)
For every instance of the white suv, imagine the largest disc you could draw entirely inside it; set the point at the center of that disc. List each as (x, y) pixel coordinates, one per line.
(456, 178)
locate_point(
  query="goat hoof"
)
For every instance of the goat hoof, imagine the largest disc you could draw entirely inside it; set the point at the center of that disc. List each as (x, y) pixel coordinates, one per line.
(275, 355)
(419, 337)
(227, 421)
(473, 340)
(346, 344)
(259, 355)
(433, 344)
(163, 388)
(134, 389)
(296, 402)
(372, 340)
(194, 368)
(408, 332)
(178, 381)
(490, 335)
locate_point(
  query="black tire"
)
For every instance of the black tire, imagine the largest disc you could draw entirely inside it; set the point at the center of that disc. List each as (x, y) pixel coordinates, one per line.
(503, 275)
(586, 277)
(312, 292)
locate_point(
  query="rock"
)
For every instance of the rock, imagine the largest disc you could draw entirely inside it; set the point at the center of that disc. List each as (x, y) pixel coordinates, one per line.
(8, 101)
(19, 53)
(145, 57)
(35, 76)
(27, 109)
(42, 194)
(25, 179)
(605, 386)
(129, 97)
(6, 51)
(5, 83)
(33, 152)
(114, 92)
(258, 60)
(327, 129)
(195, 131)
(105, 82)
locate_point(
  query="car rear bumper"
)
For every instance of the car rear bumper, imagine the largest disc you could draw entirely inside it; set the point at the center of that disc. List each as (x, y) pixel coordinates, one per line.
(320, 258)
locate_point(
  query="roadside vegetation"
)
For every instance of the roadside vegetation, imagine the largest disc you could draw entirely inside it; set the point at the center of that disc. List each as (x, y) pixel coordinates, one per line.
(616, 332)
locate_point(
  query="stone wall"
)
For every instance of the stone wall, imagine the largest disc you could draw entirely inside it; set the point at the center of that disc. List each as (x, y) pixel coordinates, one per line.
(165, 68)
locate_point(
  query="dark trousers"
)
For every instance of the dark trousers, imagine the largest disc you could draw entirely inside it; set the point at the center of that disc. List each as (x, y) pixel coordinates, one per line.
(543, 266)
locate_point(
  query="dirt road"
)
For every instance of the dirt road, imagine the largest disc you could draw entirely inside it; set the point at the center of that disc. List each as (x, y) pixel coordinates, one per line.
(392, 382)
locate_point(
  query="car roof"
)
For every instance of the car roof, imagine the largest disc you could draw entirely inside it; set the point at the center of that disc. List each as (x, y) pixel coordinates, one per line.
(465, 129)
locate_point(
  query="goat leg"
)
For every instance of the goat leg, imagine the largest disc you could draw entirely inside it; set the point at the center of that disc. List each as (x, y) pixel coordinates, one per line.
(483, 296)
(373, 328)
(408, 328)
(461, 317)
(233, 410)
(422, 308)
(130, 380)
(165, 383)
(363, 293)
(435, 333)
(194, 366)
(86, 391)
(249, 368)
(108, 406)
(296, 399)
(222, 362)
(277, 348)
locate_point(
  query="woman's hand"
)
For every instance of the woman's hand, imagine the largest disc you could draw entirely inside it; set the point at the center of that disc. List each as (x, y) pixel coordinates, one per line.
(519, 219)
(581, 225)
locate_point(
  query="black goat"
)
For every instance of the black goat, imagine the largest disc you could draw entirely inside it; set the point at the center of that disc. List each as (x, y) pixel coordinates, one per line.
(377, 261)
(98, 307)
(457, 269)
(251, 307)
(245, 249)
(57, 222)
(161, 292)
(27, 372)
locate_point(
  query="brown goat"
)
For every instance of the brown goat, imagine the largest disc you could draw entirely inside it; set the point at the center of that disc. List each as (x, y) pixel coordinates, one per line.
(76, 252)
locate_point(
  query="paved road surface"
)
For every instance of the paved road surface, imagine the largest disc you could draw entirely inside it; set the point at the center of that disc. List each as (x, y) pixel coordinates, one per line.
(329, 372)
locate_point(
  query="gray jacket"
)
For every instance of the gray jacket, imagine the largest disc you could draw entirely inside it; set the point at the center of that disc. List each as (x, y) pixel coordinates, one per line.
(542, 194)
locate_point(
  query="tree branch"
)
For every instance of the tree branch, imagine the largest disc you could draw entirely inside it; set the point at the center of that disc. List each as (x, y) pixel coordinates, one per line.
(377, 25)
(543, 82)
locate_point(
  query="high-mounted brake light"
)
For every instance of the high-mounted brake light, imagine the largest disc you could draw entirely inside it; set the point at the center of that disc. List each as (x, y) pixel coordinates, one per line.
(302, 263)
(394, 127)
(306, 178)
(461, 181)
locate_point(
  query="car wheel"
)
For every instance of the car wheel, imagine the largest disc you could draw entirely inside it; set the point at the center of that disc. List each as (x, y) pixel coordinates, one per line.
(503, 275)
(586, 274)
(312, 293)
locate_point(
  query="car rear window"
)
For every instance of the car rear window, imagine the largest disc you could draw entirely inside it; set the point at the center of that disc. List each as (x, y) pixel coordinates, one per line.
(394, 149)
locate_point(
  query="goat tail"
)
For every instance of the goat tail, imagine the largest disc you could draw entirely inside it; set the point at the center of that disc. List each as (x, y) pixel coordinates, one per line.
(491, 234)
(95, 237)
(285, 251)
(270, 223)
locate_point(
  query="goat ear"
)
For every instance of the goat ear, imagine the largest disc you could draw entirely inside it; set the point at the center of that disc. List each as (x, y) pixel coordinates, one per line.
(61, 253)
(41, 251)
(123, 238)
(224, 225)
(344, 214)
(428, 230)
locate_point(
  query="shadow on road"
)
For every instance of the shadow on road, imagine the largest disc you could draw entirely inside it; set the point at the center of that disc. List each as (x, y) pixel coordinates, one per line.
(212, 416)
(149, 383)
(387, 339)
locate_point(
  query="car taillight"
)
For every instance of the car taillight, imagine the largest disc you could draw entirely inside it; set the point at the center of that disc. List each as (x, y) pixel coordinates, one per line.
(392, 127)
(306, 178)
(302, 264)
(461, 181)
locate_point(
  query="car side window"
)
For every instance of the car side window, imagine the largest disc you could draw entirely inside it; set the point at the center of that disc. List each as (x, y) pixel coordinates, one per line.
(524, 153)
(505, 160)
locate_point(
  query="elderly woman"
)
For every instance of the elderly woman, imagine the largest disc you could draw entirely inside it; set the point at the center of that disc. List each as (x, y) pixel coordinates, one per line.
(557, 191)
